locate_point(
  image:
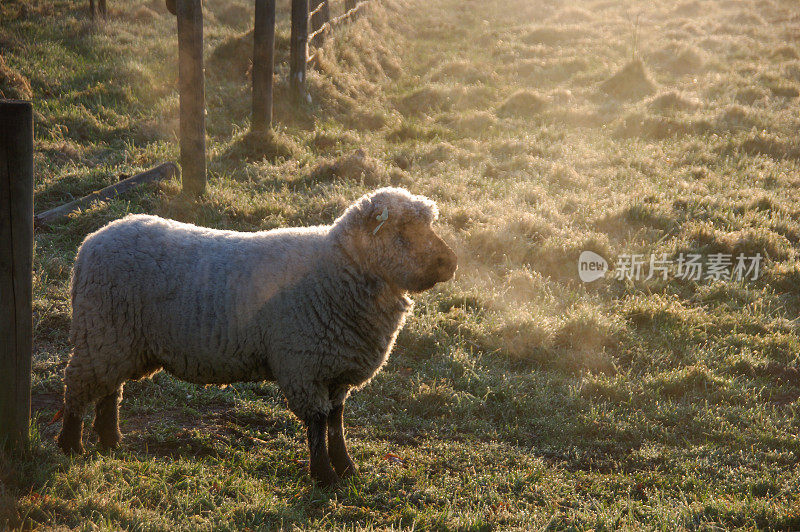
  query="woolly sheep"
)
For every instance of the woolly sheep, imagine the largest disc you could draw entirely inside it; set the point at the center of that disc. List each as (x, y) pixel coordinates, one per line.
(316, 309)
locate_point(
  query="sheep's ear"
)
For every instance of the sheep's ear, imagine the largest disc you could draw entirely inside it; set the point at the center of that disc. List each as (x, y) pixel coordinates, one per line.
(376, 217)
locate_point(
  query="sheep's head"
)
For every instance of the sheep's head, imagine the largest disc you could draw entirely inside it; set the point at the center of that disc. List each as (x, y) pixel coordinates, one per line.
(390, 231)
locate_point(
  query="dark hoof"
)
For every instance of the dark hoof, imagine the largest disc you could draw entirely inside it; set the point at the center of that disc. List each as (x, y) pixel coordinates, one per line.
(346, 470)
(69, 448)
(71, 435)
(325, 479)
(109, 441)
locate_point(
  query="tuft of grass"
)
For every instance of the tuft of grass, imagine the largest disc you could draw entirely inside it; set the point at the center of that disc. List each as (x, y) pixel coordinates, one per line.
(13, 85)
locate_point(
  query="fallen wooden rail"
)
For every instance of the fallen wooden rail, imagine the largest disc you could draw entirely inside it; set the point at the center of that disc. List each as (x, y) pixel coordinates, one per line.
(159, 173)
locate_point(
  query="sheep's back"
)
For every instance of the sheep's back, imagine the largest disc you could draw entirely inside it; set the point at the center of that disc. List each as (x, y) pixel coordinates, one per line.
(192, 297)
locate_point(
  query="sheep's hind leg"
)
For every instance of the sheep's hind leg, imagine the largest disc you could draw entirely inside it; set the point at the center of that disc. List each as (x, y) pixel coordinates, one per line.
(106, 420)
(320, 464)
(78, 390)
(337, 448)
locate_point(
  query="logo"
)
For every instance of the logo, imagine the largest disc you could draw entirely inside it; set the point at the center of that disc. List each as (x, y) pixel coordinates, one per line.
(591, 266)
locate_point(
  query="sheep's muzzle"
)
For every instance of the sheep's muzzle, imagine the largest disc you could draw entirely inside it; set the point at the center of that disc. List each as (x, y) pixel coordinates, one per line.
(442, 267)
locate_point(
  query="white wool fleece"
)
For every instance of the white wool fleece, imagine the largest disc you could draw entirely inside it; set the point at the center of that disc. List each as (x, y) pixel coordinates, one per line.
(306, 307)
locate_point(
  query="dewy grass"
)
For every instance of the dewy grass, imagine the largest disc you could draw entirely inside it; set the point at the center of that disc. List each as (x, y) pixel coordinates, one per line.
(517, 397)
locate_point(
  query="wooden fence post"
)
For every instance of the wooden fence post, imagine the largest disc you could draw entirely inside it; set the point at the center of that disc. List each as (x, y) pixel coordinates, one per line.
(192, 98)
(299, 50)
(263, 64)
(321, 15)
(16, 259)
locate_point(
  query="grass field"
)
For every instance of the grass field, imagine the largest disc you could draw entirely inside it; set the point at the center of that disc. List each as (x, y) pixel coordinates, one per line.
(517, 396)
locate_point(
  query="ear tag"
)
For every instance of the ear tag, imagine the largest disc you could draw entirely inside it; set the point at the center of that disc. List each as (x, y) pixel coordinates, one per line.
(382, 217)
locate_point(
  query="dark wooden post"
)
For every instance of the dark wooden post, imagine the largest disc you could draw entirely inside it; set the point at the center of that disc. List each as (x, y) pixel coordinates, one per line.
(192, 88)
(322, 15)
(16, 259)
(103, 8)
(263, 64)
(299, 50)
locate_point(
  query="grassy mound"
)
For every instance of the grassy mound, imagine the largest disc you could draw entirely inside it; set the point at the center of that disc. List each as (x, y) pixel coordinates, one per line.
(522, 104)
(632, 82)
(355, 167)
(261, 145)
(673, 101)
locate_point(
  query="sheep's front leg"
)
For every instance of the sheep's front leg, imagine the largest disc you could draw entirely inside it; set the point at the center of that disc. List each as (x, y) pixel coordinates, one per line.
(337, 448)
(320, 464)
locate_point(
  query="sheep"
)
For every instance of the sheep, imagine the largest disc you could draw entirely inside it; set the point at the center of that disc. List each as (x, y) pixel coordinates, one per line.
(315, 309)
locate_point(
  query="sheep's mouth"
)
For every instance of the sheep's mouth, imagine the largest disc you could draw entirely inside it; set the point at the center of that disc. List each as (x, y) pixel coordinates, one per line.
(429, 280)
(424, 283)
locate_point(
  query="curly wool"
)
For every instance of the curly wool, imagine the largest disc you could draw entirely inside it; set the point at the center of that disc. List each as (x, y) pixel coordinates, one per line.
(302, 306)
